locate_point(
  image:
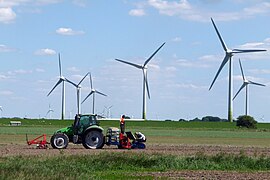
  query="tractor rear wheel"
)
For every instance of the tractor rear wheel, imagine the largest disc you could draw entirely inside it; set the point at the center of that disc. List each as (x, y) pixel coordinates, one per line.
(93, 139)
(59, 141)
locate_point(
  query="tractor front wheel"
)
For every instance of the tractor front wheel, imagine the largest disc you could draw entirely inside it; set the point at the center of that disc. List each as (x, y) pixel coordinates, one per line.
(93, 139)
(59, 141)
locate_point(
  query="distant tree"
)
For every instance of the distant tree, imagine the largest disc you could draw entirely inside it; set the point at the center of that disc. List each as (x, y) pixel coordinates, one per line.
(211, 119)
(182, 120)
(246, 121)
(196, 119)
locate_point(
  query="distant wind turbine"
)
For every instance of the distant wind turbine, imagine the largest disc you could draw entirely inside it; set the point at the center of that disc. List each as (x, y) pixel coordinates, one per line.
(145, 81)
(92, 91)
(49, 112)
(108, 111)
(1, 110)
(245, 84)
(78, 88)
(62, 80)
(228, 57)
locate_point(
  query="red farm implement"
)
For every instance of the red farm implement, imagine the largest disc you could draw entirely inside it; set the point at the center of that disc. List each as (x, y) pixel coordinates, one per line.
(40, 141)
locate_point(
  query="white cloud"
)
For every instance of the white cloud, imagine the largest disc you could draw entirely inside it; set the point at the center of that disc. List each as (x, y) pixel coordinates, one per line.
(210, 58)
(81, 3)
(176, 39)
(73, 69)
(11, 3)
(260, 71)
(39, 70)
(68, 31)
(154, 66)
(252, 45)
(4, 77)
(7, 15)
(137, 12)
(20, 71)
(6, 93)
(4, 48)
(188, 86)
(186, 63)
(171, 69)
(185, 10)
(45, 52)
(46, 2)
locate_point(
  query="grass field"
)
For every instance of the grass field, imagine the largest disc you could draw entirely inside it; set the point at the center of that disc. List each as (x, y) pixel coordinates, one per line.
(113, 165)
(219, 133)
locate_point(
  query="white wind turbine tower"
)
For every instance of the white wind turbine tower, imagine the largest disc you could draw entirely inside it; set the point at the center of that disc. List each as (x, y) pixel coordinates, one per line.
(93, 91)
(228, 57)
(145, 81)
(1, 110)
(78, 88)
(245, 84)
(49, 112)
(62, 80)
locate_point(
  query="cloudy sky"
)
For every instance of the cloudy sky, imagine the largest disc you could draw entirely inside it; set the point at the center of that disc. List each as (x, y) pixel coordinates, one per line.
(91, 34)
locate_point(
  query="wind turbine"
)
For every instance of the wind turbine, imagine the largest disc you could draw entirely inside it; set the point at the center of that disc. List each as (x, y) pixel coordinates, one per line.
(245, 84)
(93, 91)
(49, 112)
(1, 110)
(145, 81)
(62, 80)
(108, 111)
(78, 88)
(228, 57)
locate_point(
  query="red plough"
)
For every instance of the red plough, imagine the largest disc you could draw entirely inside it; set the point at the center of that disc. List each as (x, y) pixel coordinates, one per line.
(40, 141)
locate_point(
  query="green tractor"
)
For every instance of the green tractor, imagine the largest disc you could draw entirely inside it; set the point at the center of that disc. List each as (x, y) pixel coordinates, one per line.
(85, 130)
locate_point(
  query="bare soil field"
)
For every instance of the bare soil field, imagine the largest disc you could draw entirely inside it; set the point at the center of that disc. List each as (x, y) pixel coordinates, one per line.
(218, 175)
(183, 150)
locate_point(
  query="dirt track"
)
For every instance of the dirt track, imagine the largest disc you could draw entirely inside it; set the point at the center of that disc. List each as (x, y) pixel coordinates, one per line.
(185, 150)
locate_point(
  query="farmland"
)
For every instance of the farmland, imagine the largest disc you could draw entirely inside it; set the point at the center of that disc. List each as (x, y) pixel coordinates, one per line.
(174, 149)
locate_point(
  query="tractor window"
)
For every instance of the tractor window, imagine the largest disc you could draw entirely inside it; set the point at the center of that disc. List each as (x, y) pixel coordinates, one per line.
(84, 121)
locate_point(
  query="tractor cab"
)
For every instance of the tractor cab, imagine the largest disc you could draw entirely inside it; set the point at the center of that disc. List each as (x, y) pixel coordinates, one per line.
(82, 122)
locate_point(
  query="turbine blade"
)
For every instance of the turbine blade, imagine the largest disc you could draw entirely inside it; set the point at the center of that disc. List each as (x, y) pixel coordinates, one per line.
(219, 36)
(59, 81)
(243, 85)
(147, 61)
(146, 83)
(259, 84)
(247, 50)
(225, 60)
(71, 82)
(60, 68)
(87, 96)
(243, 76)
(90, 80)
(129, 63)
(83, 78)
(101, 93)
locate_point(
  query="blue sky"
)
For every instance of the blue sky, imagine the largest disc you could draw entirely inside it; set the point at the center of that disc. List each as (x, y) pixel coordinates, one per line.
(91, 34)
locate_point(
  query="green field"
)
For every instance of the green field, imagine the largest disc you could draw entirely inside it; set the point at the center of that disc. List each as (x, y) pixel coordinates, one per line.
(114, 165)
(172, 132)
